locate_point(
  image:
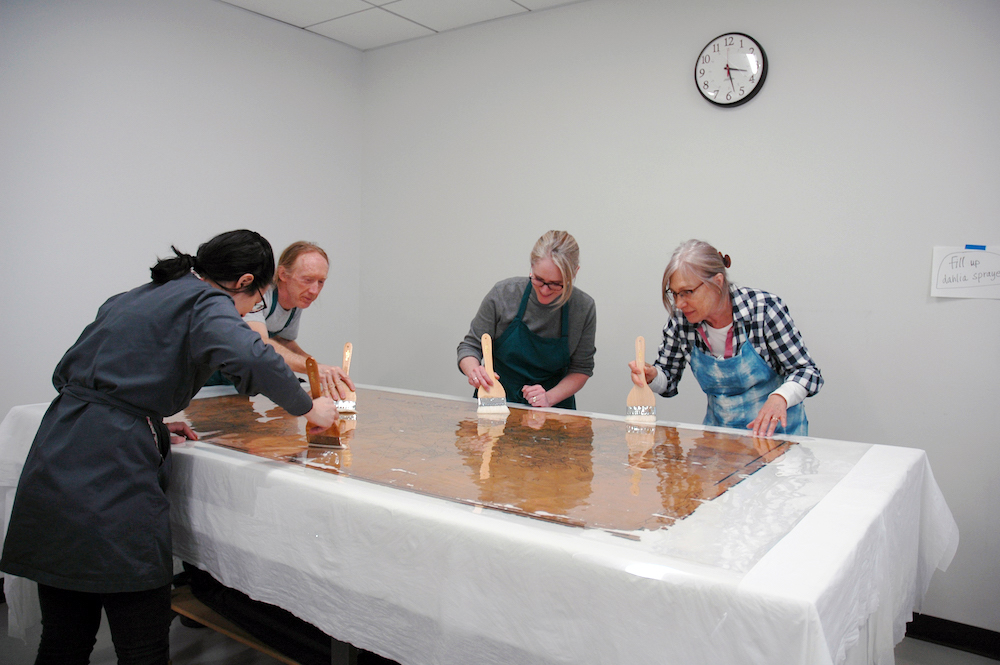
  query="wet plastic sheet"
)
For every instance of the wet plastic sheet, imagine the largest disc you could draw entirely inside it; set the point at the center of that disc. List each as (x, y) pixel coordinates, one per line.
(574, 469)
(787, 566)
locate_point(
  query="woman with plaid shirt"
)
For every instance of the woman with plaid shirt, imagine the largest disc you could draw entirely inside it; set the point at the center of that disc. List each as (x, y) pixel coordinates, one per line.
(759, 385)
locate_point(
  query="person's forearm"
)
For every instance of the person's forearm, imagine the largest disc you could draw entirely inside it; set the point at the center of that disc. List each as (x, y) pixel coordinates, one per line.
(569, 386)
(792, 392)
(335, 382)
(291, 352)
(468, 364)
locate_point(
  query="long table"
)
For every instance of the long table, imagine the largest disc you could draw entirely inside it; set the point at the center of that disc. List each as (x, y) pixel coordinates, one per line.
(434, 537)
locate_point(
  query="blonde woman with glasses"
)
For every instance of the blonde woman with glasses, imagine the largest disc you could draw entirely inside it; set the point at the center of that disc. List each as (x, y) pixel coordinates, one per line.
(543, 330)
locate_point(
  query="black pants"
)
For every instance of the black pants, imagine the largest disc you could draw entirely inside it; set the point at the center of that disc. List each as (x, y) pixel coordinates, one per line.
(139, 621)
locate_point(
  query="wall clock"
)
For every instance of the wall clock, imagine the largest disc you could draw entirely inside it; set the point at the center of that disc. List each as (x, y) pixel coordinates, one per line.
(731, 69)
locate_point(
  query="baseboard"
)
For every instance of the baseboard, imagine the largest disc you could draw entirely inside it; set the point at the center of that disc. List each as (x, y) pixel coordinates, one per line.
(955, 635)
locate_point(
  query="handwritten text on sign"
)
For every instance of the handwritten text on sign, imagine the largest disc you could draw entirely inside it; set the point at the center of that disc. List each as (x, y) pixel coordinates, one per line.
(966, 273)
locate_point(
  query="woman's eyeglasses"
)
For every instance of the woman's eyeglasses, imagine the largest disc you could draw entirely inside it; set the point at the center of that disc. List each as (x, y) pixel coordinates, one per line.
(555, 287)
(686, 293)
(259, 307)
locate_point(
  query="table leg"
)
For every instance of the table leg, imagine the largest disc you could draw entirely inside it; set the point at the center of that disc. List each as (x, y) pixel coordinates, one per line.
(343, 653)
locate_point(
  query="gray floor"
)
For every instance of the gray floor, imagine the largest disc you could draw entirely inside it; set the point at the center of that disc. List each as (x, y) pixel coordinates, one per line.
(191, 646)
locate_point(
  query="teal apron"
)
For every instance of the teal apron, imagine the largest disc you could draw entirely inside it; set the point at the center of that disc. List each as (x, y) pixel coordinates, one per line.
(522, 358)
(737, 388)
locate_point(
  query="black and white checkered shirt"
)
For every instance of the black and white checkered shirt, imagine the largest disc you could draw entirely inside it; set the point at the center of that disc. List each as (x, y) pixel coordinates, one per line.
(759, 317)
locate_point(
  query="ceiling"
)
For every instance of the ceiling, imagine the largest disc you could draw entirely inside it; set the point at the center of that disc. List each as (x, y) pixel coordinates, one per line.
(368, 24)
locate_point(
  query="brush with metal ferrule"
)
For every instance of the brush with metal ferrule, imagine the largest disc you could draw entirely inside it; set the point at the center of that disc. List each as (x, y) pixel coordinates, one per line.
(348, 405)
(329, 437)
(640, 407)
(492, 399)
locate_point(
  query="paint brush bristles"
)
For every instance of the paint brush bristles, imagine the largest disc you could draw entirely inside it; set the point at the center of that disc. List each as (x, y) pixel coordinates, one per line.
(492, 399)
(641, 403)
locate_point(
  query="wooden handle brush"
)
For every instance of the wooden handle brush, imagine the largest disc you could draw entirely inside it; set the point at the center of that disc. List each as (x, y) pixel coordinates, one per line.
(348, 405)
(330, 436)
(492, 399)
(641, 404)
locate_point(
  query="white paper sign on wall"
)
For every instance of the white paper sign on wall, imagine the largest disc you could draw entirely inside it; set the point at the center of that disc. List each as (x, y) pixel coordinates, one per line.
(972, 271)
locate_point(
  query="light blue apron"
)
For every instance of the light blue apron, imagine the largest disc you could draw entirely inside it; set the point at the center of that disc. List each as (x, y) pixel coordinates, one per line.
(737, 388)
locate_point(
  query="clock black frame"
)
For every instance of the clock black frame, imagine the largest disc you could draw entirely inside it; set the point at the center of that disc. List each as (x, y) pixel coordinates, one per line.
(745, 98)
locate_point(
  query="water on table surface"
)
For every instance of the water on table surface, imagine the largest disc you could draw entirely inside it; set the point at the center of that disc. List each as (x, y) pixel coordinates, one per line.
(562, 467)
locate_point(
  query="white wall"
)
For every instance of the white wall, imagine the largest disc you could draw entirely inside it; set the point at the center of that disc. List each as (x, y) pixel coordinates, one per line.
(131, 125)
(429, 169)
(873, 139)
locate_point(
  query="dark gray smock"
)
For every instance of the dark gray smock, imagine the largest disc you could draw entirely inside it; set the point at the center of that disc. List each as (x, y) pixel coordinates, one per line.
(91, 512)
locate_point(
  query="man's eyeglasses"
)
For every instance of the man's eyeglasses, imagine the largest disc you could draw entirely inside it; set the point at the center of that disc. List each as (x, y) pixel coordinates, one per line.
(555, 287)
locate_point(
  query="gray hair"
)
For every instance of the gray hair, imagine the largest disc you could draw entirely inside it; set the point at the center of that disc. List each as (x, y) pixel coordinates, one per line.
(561, 248)
(702, 260)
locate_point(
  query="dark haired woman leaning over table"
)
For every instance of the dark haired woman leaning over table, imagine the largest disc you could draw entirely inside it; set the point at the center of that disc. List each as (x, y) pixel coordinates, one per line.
(90, 521)
(744, 348)
(543, 329)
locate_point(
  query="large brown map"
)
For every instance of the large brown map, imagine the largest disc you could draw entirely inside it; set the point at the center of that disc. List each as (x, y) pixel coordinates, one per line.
(567, 468)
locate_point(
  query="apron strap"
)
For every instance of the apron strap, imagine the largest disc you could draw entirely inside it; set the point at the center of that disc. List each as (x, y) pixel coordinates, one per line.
(728, 353)
(517, 319)
(274, 306)
(524, 302)
(564, 324)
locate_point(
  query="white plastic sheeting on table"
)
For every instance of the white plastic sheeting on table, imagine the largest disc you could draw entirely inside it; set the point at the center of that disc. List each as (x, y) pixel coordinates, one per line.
(17, 431)
(833, 543)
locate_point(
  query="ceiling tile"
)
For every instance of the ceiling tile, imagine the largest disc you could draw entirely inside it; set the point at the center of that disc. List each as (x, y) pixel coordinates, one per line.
(302, 13)
(534, 5)
(366, 24)
(370, 29)
(440, 15)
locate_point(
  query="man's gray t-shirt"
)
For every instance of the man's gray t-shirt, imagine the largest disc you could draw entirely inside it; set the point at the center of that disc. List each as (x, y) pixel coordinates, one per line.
(280, 322)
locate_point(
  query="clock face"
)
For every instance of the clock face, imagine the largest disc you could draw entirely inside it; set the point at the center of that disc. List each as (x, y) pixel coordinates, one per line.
(731, 69)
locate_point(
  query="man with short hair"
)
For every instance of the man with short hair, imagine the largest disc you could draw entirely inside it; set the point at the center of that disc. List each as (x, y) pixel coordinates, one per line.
(298, 281)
